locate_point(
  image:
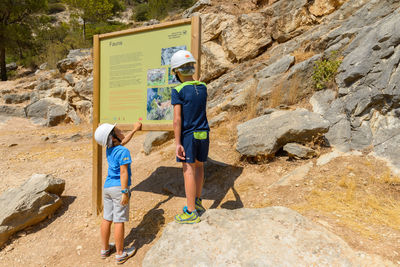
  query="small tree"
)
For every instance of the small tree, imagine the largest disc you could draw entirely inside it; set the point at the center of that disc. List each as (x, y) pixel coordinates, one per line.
(15, 25)
(91, 11)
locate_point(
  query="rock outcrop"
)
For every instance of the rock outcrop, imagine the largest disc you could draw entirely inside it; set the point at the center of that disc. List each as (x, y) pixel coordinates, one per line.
(265, 135)
(279, 237)
(51, 99)
(29, 204)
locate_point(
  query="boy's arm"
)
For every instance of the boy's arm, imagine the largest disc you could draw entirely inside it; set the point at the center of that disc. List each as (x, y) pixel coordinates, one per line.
(180, 151)
(129, 136)
(124, 183)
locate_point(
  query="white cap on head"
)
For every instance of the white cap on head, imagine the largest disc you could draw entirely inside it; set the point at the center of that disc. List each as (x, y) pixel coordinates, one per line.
(102, 132)
(180, 58)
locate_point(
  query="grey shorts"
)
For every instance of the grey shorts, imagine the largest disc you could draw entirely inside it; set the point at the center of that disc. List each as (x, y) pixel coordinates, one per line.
(113, 211)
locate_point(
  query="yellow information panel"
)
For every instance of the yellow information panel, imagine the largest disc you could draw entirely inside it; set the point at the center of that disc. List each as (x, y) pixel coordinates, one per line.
(135, 75)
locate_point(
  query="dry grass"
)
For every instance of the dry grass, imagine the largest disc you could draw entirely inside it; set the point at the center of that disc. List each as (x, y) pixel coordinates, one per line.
(276, 97)
(363, 204)
(301, 55)
(251, 100)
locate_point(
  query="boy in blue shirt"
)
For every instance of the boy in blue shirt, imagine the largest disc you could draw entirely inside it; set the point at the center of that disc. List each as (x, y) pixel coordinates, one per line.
(191, 132)
(116, 189)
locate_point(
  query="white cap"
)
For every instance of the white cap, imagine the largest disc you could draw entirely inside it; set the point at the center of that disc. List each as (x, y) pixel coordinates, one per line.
(180, 58)
(102, 132)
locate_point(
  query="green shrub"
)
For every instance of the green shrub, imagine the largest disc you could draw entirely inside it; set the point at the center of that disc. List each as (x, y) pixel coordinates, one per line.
(141, 12)
(55, 8)
(325, 70)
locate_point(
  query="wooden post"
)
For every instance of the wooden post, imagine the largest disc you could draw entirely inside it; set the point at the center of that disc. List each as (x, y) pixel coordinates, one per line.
(196, 44)
(97, 150)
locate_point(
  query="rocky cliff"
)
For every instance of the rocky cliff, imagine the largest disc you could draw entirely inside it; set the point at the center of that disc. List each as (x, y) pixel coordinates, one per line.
(259, 57)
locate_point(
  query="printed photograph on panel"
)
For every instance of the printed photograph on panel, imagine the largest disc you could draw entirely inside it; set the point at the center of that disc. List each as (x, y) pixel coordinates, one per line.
(156, 77)
(159, 104)
(166, 54)
(171, 77)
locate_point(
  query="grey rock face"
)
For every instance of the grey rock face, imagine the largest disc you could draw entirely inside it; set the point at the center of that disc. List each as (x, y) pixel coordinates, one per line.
(84, 107)
(84, 88)
(72, 60)
(214, 62)
(279, 237)
(29, 204)
(39, 108)
(55, 115)
(73, 117)
(386, 135)
(278, 67)
(155, 139)
(321, 101)
(298, 151)
(45, 85)
(363, 114)
(221, 117)
(241, 93)
(267, 134)
(197, 6)
(70, 79)
(266, 85)
(15, 98)
(13, 111)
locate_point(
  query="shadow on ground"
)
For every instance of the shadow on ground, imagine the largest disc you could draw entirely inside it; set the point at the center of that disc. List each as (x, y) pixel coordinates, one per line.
(148, 228)
(168, 181)
(219, 178)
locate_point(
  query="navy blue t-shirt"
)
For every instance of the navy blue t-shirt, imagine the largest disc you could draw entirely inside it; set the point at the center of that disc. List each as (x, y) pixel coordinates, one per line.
(117, 156)
(193, 98)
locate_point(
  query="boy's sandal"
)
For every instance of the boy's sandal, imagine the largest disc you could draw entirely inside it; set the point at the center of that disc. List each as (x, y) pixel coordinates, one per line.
(107, 252)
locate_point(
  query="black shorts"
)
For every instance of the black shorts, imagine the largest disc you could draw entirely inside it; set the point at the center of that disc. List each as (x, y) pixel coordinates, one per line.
(196, 147)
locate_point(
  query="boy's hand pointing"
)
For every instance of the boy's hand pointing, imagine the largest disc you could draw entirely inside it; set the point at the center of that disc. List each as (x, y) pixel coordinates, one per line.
(137, 126)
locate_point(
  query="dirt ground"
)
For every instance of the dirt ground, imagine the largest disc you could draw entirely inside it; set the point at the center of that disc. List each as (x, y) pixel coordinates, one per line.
(330, 195)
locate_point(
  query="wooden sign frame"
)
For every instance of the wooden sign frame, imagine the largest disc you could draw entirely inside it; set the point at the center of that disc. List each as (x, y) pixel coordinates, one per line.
(195, 23)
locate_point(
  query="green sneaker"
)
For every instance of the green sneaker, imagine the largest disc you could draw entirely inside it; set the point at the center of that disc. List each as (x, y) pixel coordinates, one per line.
(199, 206)
(187, 217)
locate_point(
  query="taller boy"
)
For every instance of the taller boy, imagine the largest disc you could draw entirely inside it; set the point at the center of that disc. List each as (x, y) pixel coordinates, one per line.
(191, 132)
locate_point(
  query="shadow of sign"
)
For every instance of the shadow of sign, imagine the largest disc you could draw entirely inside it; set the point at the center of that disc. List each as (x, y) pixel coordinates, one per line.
(219, 179)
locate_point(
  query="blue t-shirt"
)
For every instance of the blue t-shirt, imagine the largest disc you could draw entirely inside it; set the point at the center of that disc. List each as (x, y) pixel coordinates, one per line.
(193, 98)
(117, 156)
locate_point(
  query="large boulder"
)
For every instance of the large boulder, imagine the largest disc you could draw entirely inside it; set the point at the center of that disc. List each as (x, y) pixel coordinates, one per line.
(32, 202)
(265, 135)
(278, 237)
(40, 108)
(155, 139)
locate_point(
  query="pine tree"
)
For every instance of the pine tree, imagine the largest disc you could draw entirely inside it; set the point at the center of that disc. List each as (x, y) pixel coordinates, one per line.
(91, 11)
(15, 16)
